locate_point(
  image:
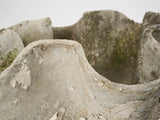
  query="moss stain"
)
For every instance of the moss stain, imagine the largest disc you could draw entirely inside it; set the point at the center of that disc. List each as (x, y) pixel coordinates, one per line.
(126, 51)
(154, 74)
(8, 59)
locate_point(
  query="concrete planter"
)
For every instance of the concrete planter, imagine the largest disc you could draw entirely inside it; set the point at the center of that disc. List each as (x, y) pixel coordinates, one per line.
(116, 77)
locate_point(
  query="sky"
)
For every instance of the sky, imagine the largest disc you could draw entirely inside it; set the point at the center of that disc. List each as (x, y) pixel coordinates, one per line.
(68, 12)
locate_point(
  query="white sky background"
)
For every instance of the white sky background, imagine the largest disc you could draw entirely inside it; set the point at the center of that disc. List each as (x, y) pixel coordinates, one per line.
(67, 12)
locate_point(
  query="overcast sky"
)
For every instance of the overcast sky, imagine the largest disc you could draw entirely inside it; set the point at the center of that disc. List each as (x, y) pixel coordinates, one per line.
(67, 12)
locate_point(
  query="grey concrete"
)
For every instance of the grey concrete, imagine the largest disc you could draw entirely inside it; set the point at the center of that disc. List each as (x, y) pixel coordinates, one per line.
(10, 45)
(33, 30)
(51, 77)
(111, 43)
(149, 60)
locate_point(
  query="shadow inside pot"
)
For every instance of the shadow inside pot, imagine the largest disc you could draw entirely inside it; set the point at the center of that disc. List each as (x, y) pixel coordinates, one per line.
(156, 35)
(110, 41)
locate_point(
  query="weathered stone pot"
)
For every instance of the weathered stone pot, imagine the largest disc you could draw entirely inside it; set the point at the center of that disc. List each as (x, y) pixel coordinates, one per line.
(52, 79)
(110, 41)
(54, 76)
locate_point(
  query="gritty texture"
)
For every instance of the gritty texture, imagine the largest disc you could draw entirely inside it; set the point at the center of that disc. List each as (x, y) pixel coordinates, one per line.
(151, 18)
